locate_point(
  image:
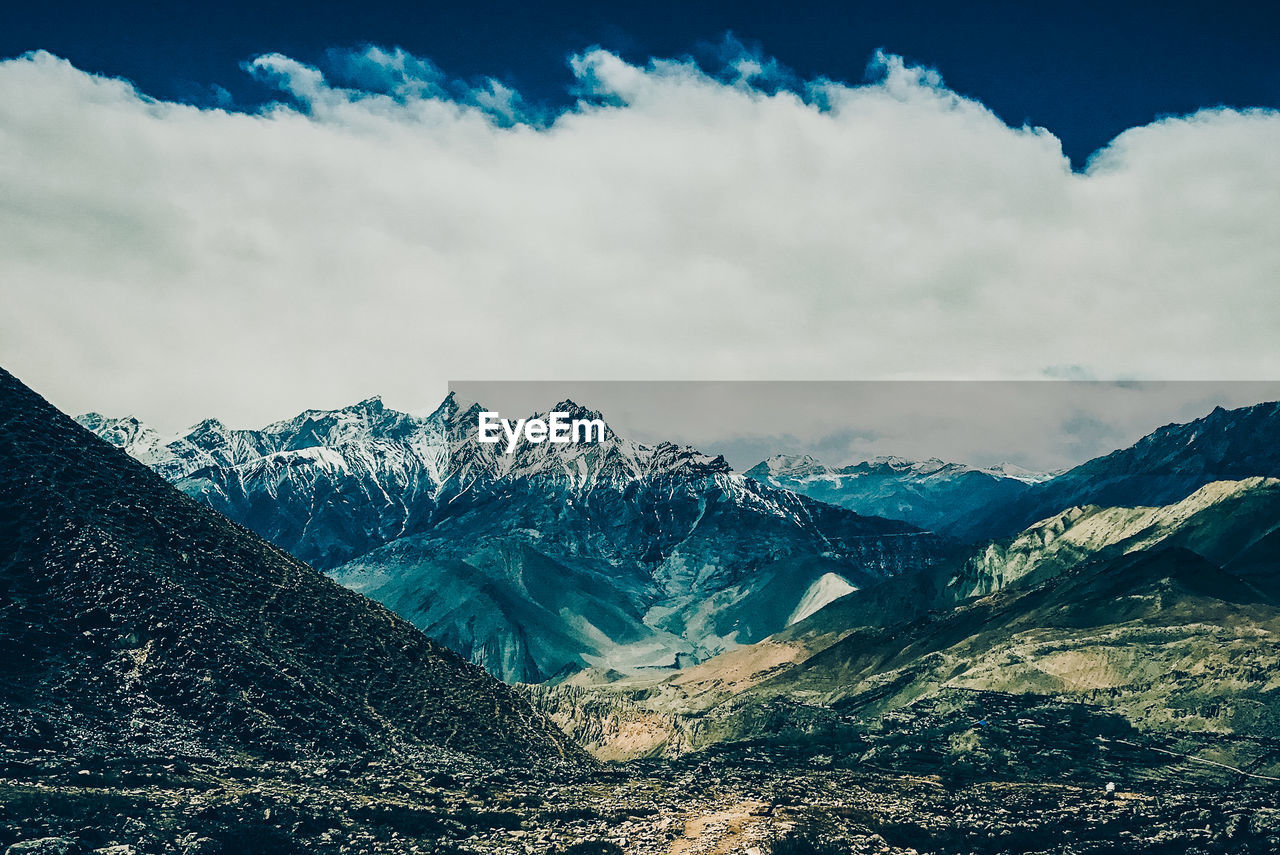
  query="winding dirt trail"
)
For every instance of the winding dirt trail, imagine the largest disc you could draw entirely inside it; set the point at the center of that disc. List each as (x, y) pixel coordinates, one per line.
(740, 828)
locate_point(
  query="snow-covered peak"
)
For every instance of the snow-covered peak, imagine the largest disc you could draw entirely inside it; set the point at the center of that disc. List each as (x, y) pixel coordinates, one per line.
(580, 466)
(1018, 473)
(792, 464)
(929, 466)
(805, 467)
(135, 438)
(435, 450)
(123, 432)
(930, 493)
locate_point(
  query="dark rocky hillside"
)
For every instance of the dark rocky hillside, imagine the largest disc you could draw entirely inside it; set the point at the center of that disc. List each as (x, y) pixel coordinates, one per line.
(1163, 467)
(135, 621)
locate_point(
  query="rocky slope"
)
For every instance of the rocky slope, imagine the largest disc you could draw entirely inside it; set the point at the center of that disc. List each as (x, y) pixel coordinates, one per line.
(1164, 637)
(134, 621)
(613, 555)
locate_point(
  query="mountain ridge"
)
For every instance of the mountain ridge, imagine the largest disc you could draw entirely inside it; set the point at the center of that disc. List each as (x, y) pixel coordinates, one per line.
(1164, 466)
(666, 549)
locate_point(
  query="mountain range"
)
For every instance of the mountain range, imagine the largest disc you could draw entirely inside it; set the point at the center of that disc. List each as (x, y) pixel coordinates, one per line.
(611, 555)
(662, 605)
(1168, 615)
(1163, 467)
(620, 557)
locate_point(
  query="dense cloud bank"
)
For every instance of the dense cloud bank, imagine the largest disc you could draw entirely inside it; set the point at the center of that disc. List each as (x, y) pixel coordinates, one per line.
(383, 228)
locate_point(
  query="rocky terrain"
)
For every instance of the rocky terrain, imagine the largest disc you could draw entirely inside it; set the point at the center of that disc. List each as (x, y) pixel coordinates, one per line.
(971, 772)
(1168, 616)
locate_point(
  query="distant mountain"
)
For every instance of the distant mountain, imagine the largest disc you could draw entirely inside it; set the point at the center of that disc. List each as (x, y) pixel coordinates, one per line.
(1163, 467)
(134, 620)
(535, 564)
(326, 486)
(931, 494)
(977, 505)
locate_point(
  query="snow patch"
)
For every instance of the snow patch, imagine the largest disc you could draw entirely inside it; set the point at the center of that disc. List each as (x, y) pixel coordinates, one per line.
(823, 592)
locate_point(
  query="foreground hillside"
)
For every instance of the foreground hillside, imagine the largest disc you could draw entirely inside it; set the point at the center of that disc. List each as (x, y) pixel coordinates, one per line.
(136, 622)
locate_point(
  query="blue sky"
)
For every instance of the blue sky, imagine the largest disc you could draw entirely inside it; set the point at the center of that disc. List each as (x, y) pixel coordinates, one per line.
(1086, 70)
(246, 212)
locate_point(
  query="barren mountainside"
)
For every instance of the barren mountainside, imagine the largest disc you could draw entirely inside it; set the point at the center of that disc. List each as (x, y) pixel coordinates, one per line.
(134, 620)
(1168, 617)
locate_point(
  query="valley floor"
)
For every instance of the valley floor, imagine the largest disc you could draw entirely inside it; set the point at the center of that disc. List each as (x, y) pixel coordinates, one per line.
(734, 800)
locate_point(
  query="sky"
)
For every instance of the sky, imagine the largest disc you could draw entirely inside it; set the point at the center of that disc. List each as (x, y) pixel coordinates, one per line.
(244, 212)
(1039, 426)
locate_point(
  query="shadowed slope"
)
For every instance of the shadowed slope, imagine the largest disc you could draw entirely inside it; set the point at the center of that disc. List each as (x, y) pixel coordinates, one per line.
(134, 619)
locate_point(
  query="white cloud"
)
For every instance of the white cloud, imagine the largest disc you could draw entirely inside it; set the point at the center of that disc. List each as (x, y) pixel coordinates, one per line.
(384, 229)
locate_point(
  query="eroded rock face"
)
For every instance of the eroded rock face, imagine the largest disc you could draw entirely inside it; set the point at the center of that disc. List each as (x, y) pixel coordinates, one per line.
(1221, 521)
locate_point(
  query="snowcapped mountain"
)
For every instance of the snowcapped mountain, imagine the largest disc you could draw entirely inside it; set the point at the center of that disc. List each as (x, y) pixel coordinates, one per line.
(932, 494)
(326, 485)
(611, 554)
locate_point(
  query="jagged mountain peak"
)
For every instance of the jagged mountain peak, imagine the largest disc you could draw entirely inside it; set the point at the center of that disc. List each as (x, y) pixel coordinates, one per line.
(553, 556)
(96, 421)
(780, 463)
(894, 461)
(576, 410)
(388, 467)
(207, 425)
(446, 409)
